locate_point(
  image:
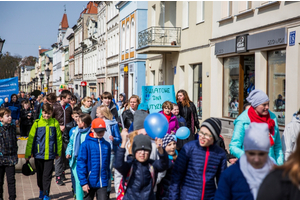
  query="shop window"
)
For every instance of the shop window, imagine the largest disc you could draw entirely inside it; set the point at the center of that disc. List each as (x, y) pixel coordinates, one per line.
(197, 88)
(276, 84)
(239, 81)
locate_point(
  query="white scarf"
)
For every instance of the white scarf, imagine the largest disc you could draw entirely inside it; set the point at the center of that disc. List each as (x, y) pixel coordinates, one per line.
(132, 111)
(108, 131)
(254, 177)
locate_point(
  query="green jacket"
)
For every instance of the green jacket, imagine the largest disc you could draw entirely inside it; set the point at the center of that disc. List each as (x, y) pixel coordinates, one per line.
(44, 140)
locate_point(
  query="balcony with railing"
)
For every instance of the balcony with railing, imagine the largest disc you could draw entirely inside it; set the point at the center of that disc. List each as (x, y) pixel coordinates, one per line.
(157, 40)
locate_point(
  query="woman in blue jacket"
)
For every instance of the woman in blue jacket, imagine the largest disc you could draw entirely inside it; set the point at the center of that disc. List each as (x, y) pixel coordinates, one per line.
(258, 112)
(243, 179)
(15, 107)
(112, 135)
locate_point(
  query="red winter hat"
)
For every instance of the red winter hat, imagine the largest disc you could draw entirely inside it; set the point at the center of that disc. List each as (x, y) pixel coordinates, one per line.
(98, 125)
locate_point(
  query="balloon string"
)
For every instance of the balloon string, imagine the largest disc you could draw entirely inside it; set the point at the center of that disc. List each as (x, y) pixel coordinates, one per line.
(122, 121)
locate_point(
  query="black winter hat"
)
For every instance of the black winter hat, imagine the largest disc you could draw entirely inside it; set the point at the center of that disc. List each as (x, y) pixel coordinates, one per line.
(141, 142)
(27, 169)
(214, 125)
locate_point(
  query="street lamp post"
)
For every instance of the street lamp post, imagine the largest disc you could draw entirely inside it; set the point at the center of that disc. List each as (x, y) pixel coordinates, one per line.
(47, 72)
(41, 77)
(36, 80)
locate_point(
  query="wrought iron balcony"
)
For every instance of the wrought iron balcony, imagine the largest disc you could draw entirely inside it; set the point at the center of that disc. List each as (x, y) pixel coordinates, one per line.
(160, 37)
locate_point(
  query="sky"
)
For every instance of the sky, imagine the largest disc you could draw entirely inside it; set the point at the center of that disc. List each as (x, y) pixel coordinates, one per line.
(26, 25)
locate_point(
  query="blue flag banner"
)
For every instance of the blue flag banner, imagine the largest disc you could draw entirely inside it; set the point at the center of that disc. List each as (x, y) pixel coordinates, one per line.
(8, 87)
(155, 96)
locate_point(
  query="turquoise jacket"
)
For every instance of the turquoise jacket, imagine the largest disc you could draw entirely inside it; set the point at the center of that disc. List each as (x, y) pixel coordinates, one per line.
(236, 146)
(71, 145)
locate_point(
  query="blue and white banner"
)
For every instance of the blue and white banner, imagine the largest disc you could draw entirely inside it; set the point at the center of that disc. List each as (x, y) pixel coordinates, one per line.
(155, 96)
(8, 87)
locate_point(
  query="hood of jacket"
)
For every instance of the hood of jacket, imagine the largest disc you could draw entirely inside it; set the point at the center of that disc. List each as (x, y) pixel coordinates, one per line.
(296, 118)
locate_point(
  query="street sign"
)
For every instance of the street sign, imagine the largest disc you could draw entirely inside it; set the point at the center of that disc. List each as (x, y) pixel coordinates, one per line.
(45, 88)
(292, 38)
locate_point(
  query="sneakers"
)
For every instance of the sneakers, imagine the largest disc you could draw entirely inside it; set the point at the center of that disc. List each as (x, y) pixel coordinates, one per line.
(59, 181)
(41, 195)
(46, 197)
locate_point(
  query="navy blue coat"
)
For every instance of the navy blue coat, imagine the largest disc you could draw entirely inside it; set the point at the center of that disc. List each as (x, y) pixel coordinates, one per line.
(233, 185)
(15, 108)
(140, 183)
(93, 162)
(195, 170)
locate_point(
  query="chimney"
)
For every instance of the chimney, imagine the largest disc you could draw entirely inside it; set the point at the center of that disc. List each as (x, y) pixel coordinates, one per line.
(40, 48)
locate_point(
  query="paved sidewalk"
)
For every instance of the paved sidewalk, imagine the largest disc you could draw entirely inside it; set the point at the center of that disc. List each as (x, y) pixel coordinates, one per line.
(27, 188)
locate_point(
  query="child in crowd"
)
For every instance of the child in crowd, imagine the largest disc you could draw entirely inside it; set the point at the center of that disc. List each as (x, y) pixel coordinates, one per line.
(8, 153)
(205, 156)
(167, 106)
(122, 98)
(112, 135)
(26, 119)
(169, 144)
(175, 111)
(93, 162)
(78, 137)
(86, 105)
(141, 172)
(45, 144)
(68, 133)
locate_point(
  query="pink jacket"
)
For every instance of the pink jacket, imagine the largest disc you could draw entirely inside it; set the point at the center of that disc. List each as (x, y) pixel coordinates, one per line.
(173, 124)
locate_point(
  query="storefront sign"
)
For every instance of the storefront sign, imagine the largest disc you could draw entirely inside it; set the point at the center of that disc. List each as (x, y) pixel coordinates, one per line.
(225, 47)
(70, 86)
(92, 84)
(267, 39)
(241, 43)
(155, 96)
(292, 38)
(83, 83)
(126, 69)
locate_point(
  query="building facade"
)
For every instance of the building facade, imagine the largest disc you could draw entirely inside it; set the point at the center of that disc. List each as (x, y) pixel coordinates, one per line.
(133, 19)
(80, 34)
(176, 42)
(254, 45)
(71, 62)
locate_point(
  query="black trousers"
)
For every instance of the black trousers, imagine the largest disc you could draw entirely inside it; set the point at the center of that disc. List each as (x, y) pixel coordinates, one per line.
(11, 181)
(44, 174)
(101, 194)
(61, 162)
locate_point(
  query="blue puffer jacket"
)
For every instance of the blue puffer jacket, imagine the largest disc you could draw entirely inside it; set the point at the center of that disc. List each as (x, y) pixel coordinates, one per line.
(140, 185)
(195, 170)
(236, 146)
(15, 108)
(115, 132)
(93, 162)
(233, 185)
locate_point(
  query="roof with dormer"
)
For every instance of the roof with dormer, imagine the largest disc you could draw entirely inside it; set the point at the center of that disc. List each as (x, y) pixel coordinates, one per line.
(64, 22)
(91, 8)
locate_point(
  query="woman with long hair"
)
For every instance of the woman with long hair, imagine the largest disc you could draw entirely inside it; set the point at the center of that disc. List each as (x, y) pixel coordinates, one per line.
(283, 182)
(188, 111)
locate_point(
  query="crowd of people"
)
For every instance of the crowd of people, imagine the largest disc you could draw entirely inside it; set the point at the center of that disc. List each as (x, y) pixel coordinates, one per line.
(102, 139)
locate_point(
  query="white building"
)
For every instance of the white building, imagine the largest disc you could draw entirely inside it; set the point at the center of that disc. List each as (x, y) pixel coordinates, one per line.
(112, 61)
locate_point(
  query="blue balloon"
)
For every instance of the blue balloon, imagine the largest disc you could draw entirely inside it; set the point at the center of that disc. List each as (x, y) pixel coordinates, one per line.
(156, 125)
(183, 133)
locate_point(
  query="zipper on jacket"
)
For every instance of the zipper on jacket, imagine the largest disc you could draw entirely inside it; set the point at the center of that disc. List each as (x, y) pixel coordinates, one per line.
(38, 147)
(204, 171)
(100, 161)
(89, 175)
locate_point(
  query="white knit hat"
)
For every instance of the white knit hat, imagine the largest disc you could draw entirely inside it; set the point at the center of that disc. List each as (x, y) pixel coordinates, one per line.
(257, 97)
(257, 137)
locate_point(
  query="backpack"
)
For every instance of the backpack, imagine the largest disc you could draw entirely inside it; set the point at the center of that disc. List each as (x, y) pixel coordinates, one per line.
(122, 187)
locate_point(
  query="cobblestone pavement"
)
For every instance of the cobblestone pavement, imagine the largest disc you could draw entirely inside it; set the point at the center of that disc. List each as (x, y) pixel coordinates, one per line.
(27, 188)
